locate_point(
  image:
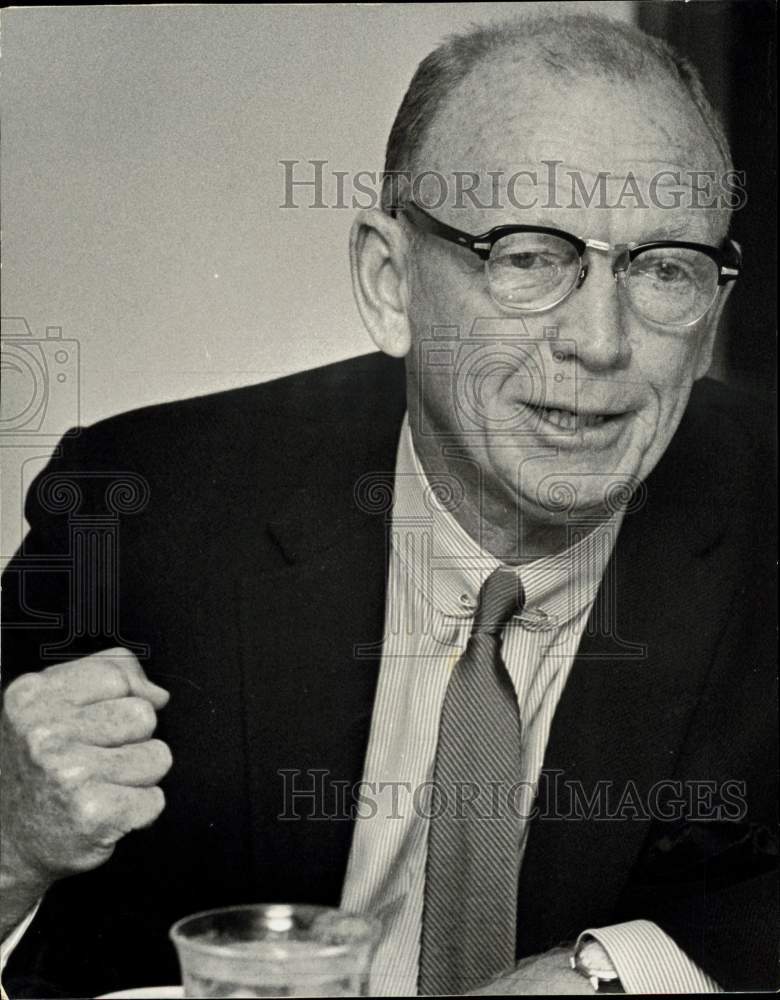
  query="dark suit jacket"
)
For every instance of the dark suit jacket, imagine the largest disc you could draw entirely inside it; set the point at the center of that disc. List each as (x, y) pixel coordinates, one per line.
(239, 543)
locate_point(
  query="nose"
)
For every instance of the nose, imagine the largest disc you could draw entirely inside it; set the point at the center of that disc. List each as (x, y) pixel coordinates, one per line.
(595, 318)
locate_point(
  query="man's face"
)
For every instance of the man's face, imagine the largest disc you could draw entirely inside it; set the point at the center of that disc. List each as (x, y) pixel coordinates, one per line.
(626, 379)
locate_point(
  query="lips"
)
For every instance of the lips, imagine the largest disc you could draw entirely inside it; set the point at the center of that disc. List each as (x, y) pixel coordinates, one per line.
(571, 420)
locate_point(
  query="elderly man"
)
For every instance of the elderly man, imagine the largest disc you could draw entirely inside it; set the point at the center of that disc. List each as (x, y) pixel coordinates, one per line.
(478, 642)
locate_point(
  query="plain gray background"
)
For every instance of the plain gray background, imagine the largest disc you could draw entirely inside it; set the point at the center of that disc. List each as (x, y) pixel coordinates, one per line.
(141, 194)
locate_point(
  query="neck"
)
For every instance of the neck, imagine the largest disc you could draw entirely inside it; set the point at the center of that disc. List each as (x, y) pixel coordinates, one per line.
(510, 537)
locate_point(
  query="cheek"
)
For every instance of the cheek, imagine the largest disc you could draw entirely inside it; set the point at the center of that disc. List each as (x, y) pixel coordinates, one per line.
(444, 291)
(445, 300)
(667, 364)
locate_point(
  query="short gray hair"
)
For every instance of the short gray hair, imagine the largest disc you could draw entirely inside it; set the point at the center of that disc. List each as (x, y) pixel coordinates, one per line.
(565, 43)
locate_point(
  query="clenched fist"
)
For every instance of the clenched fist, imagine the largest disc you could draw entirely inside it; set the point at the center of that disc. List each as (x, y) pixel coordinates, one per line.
(79, 767)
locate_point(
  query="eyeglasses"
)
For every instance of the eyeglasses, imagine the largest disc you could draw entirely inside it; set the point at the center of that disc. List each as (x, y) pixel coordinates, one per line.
(534, 268)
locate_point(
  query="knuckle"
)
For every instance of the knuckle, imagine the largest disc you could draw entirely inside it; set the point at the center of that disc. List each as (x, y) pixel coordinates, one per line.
(68, 774)
(87, 810)
(131, 663)
(21, 693)
(121, 660)
(42, 745)
(109, 667)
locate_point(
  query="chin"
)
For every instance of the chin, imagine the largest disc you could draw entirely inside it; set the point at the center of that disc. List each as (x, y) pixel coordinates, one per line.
(564, 508)
(559, 496)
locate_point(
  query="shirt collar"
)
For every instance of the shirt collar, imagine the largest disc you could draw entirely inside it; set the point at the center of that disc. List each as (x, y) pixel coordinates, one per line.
(449, 567)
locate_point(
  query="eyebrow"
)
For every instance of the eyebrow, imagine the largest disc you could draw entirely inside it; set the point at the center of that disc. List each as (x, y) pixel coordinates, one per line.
(677, 232)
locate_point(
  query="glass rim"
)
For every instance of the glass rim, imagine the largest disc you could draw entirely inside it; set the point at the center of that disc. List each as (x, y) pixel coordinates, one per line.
(232, 950)
(625, 282)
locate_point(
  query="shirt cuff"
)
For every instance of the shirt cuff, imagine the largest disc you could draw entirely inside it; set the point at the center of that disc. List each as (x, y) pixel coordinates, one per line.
(12, 940)
(648, 961)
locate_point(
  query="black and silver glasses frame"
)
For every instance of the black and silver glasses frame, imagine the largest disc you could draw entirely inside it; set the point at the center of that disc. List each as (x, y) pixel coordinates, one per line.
(727, 257)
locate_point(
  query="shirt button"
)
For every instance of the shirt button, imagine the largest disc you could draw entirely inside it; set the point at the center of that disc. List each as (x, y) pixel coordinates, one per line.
(534, 618)
(467, 601)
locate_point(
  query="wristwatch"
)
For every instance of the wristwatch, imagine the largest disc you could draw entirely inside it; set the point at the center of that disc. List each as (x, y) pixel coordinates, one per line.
(592, 962)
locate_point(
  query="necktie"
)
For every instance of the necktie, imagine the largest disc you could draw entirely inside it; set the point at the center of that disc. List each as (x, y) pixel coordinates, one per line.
(472, 868)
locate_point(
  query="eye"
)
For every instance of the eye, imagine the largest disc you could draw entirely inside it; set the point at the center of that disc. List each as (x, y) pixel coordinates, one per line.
(527, 261)
(669, 271)
(533, 252)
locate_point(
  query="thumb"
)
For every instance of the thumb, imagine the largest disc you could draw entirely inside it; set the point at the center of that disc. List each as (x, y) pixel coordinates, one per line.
(137, 681)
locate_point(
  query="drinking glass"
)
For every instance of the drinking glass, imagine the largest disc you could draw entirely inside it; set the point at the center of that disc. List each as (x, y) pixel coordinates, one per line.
(275, 950)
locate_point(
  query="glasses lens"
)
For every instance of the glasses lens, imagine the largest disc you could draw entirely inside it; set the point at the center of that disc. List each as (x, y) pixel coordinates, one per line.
(532, 271)
(672, 285)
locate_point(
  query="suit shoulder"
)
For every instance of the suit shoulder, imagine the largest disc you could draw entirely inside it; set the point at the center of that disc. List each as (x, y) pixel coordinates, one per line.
(224, 420)
(740, 420)
(718, 472)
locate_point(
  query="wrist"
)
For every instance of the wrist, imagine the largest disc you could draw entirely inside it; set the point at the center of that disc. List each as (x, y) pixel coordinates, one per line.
(19, 876)
(21, 890)
(591, 960)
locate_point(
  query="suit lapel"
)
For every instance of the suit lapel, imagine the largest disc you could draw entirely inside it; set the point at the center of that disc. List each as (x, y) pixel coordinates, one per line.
(625, 709)
(310, 604)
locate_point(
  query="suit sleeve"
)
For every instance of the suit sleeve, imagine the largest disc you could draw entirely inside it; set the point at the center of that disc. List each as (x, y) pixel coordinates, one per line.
(61, 597)
(55, 609)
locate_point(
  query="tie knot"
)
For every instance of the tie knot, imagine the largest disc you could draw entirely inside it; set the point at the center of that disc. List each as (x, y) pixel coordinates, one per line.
(501, 596)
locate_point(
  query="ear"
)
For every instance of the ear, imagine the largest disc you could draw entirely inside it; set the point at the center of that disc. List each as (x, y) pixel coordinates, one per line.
(378, 253)
(710, 332)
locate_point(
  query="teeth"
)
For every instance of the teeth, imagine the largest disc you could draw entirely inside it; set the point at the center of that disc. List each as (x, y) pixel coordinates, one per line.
(560, 418)
(592, 420)
(567, 420)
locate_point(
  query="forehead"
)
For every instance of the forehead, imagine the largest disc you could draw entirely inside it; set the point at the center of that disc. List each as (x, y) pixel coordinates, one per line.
(511, 117)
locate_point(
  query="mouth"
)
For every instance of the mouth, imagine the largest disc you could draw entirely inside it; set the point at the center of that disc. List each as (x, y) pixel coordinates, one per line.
(574, 420)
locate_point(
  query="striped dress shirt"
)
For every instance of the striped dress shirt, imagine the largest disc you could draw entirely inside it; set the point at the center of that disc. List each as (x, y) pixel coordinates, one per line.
(435, 574)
